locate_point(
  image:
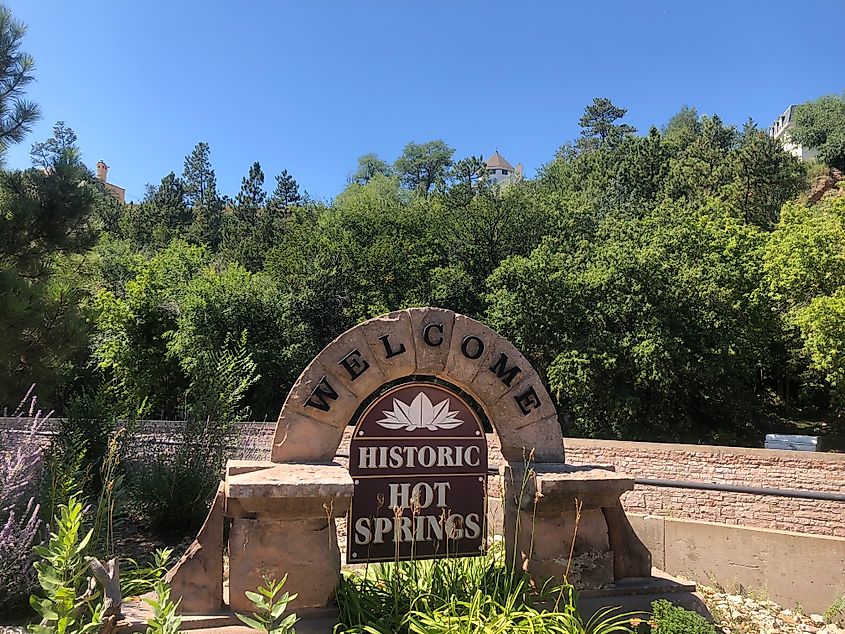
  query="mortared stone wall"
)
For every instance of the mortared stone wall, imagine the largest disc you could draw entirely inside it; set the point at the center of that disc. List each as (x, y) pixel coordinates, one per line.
(699, 463)
(725, 465)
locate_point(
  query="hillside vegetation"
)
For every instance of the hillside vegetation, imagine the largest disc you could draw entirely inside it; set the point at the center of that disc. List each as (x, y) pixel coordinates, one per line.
(669, 284)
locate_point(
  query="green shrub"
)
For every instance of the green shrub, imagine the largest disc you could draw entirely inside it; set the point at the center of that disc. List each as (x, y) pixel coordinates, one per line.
(173, 485)
(836, 612)
(62, 574)
(173, 489)
(270, 605)
(672, 619)
(165, 620)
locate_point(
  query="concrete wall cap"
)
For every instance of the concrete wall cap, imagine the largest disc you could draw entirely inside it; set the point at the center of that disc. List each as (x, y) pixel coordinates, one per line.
(597, 443)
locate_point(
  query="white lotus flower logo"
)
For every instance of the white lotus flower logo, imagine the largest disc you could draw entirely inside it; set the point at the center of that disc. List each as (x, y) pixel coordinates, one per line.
(420, 414)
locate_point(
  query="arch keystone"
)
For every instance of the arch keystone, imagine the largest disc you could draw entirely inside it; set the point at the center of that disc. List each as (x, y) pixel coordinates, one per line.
(432, 329)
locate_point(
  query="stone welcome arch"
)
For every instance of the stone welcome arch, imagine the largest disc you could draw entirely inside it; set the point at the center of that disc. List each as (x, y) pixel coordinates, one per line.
(418, 342)
(283, 512)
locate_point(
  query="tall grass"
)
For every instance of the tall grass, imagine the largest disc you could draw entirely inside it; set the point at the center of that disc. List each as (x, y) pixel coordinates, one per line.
(461, 595)
(467, 595)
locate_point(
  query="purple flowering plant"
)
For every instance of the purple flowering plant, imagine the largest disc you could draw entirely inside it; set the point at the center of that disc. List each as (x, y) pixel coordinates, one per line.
(21, 457)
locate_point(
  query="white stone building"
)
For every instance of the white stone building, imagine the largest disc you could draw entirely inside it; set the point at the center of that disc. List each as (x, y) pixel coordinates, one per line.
(780, 132)
(499, 170)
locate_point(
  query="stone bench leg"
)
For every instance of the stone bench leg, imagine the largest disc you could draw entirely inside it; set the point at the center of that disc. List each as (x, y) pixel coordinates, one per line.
(566, 524)
(540, 541)
(305, 550)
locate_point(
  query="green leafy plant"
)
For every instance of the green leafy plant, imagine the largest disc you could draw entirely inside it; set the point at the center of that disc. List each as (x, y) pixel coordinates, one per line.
(483, 614)
(270, 606)
(835, 613)
(66, 607)
(165, 620)
(172, 486)
(137, 579)
(673, 619)
(462, 595)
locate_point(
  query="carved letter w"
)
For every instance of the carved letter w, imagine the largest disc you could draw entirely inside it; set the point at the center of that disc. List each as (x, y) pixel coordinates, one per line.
(322, 392)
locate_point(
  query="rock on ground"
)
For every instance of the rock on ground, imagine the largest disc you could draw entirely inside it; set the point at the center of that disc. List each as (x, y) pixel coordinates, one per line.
(737, 614)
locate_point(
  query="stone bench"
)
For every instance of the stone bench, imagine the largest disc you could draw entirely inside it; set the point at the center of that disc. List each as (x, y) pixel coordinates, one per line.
(283, 523)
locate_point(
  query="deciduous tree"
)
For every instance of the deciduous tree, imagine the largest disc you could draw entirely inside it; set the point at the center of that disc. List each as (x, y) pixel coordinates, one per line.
(369, 165)
(424, 166)
(820, 124)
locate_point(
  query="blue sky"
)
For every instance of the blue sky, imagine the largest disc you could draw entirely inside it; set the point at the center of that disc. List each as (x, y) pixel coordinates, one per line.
(309, 86)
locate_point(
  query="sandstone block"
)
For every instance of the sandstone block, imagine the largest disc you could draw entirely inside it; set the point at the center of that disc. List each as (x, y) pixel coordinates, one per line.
(503, 370)
(391, 341)
(631, 558)
(555, 548)
(468, 350)
(197, 578)
(430, 326)
(525, 405)
(306, 550)
(541, 439)
(301, 438)
(352, 363)
(322, 394)
(557, 487)
(290, 491)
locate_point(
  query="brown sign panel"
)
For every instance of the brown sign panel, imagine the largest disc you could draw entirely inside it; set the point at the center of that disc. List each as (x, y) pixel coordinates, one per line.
(418, 458)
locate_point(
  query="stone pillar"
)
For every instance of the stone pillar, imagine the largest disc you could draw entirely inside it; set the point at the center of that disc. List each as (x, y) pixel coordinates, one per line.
(556, 527)
(283, 523)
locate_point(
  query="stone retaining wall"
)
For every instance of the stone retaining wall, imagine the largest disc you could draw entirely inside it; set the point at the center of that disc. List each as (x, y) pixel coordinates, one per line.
(727, 465)
(699, 463)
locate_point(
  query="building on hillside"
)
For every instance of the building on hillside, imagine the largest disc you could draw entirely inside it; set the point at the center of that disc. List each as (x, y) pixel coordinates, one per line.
(499, 170)
(780, 132)
(102, 175)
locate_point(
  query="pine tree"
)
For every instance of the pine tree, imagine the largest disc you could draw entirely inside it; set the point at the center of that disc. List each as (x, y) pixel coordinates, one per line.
(764, 177)
(198, 177)
(468, 170)
(168, 202)
(246, 232)
(286, 194)
(45, 218)
(201, 195)
(599, 127)
(17, 115)
(251, 198)
(61, 146)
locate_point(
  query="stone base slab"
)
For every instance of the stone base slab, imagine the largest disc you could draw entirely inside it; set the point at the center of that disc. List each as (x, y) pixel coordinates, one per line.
(637, 594)
(630, 595)
(564, 486)
(304, 550)
(565, 523)
(311, 621)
